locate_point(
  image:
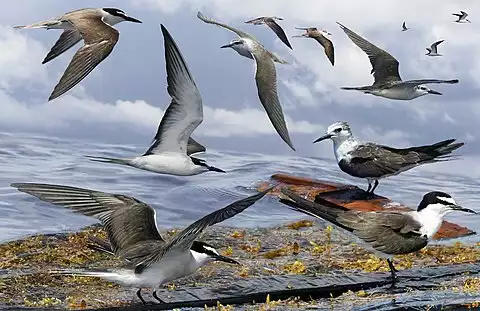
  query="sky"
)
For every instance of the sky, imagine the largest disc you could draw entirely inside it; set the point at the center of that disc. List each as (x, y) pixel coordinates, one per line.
(123, 99)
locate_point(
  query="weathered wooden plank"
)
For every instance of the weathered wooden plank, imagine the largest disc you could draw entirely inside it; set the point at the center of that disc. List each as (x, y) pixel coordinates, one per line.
(305, 287)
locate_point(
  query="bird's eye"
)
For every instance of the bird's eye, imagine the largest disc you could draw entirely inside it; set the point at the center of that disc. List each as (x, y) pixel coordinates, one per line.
(337, 130)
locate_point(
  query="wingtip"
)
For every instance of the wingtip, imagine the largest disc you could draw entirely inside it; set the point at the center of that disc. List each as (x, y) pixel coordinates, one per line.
(53, 96)
(15, 185)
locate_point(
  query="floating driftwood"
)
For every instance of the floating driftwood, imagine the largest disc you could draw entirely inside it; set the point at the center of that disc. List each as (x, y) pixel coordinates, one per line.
(351, 196)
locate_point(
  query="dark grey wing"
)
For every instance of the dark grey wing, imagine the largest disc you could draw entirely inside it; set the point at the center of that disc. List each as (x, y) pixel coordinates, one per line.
(266, 79)
(214, 22)
(194, 147)
(256, 21)
(435, 45)
(127, 220)
(384, 65)
(185, 112)
(67, 39)
(464, 13)
(389, 232)
(456, 14)
(426, 81)
(327, 46)
(98, 45)
(404, 26)
(324, 209)
(374, 161)
(184, 240)
(279, 31)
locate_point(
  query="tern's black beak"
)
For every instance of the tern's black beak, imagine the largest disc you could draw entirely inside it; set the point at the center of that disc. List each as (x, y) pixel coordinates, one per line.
(226, 46)
(133, 20)
(215, 169)
(434, 92)
(226, 259)
(463, 209)
(326, 136)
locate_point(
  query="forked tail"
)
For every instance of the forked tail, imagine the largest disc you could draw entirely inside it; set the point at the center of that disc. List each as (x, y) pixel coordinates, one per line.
(44, 24)
(365, 89)
(101, 274)
(109, 160)
(125, 277)
(440, 151)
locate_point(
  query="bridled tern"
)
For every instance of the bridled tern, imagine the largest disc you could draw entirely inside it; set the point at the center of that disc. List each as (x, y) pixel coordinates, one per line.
(94, 26)
(373, 161)
(386, 233)
(387, 82)
(462, 17)
(133, 235)
(168, 153)
(321, 37)
(271, 22)
(265, 75)
(432, 51)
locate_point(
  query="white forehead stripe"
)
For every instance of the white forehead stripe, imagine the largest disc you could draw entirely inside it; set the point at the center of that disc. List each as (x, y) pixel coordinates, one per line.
(448, 200)
(211, 249)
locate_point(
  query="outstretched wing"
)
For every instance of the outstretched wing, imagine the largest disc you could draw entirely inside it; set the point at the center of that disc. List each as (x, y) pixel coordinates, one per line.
(384, 65)
(208, 20)
(185, 112)
(184, 240)
(67, 39)
(129, 222)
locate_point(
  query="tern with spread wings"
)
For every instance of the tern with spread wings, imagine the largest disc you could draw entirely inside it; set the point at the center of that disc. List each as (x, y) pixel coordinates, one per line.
(133, 235)
(271, 22)
(387, 81)
(169, 153)
(265, 75)
(321, 37)
(94, 26)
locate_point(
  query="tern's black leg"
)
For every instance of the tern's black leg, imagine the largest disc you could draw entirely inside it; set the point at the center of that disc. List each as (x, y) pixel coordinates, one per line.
(374, 187)
(139, 295)
(393, 270)
(154, 294)
(369, 187)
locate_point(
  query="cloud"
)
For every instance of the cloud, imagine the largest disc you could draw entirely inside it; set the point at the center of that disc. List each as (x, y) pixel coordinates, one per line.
(18, 60)
(125, 89)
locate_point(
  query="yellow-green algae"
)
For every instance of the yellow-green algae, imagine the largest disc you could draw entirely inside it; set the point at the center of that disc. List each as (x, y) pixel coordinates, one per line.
(297, 248)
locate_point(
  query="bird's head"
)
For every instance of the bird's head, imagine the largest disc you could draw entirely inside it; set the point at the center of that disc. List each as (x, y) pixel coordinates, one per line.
(325, 33)
(421, 90)
(441, 203)
(338, 132)
(114, 16)
(205, 253)
(234, 44)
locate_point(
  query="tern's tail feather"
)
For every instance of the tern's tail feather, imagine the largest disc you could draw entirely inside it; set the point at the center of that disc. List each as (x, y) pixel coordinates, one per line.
(109, 160)
(356, 88)
(125, 277)
(44, 24)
